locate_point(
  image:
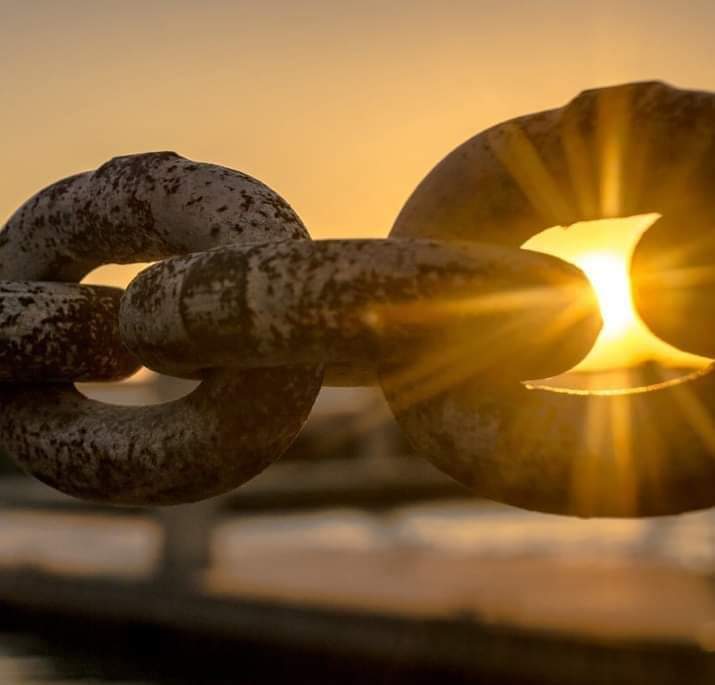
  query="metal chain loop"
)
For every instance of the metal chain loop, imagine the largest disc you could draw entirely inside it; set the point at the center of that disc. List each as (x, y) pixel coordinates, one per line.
(345, 303)
(530, 446)
(234, 424)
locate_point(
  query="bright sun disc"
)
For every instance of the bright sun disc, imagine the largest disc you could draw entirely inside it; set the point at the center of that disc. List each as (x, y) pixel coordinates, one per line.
(609, 276)
(603, 250)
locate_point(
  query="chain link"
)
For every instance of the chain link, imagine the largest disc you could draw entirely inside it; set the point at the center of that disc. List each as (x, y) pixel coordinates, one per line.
(351, 303)
(449, 327)
(620, 151)
(61, 332)
(140, 208)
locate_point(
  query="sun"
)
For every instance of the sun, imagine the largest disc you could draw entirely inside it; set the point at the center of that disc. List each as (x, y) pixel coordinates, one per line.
(608, 273)
(603, 250)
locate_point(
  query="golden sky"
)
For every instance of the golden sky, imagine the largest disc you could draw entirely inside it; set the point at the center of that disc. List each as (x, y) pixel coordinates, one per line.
(342, 107)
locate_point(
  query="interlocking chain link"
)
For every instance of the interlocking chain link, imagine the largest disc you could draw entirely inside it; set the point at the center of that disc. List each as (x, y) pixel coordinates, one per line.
(140, 208)
(245, 301)
(351, 303)
(620, 151)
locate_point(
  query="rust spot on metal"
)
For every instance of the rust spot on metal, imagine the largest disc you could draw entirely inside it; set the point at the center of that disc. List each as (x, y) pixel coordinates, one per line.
(52, 332)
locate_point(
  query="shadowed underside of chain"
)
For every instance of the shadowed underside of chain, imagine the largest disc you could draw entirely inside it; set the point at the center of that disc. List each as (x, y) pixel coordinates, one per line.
(448, 316)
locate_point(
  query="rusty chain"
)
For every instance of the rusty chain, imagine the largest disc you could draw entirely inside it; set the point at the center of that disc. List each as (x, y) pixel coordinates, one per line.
(242, 299)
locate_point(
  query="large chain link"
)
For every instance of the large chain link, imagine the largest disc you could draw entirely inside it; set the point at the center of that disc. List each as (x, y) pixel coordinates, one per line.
(140, 208)
(621, 151)
(245, 301)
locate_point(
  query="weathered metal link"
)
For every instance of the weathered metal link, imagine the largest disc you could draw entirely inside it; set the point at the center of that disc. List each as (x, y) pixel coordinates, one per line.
(611, 454)
(347, 302)
(140, 208)
(629, 453)
(674, 263)
(218, 437)
(53, 332)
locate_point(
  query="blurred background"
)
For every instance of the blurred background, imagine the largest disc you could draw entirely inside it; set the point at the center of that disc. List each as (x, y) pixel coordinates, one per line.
(351, 558)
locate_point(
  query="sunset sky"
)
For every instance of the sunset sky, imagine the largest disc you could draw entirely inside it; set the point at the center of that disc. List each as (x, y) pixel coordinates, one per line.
(342, 107)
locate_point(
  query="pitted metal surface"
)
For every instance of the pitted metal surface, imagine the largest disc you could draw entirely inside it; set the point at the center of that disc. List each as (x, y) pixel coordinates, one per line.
(345, 302)
(139, 208)
(225, 432)
(619, 151)
(61, 332)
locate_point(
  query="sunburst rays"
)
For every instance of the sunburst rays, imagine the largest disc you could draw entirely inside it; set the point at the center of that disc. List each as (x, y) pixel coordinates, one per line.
(605, 170)
(610, 243)
(489, 334)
